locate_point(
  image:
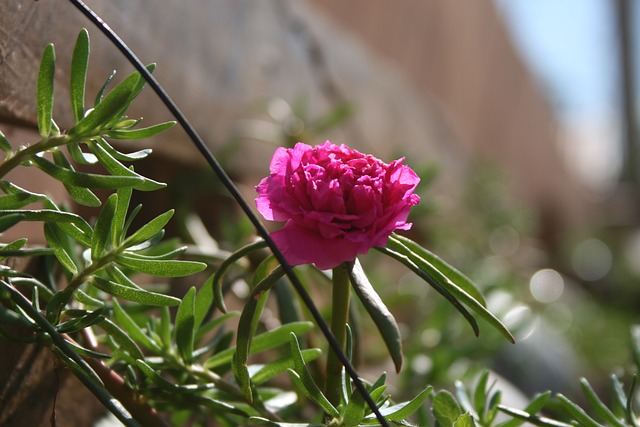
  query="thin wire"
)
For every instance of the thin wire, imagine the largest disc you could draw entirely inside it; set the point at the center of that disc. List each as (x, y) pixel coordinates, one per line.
(226, 181)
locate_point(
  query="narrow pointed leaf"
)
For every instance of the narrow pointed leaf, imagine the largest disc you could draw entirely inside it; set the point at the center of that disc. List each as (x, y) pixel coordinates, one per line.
(135, 295)
(46, 76)
(404, 410)
(122, 339)
(185, 326)
(162, 268)
(123, 157)
(204, 299)
(265, 422)
(120, 216)
(226, 265)
(434, 284)
(114, 167)
(103, 88)
(80, 156)
(4, 144)
(131, 328)
(379, 313)
(142, 133)
(464, 420)
(577, 412)
(89, 180)
(274, 368)
(265, 341)
(452, 288)
(110, 108)
(601, 409)
(102, 230)
(79, 65)
(17, 200)
(81, 195)
(59, 250)
(447, 270)
(305, 382)
(9, 220)
(535, 406)
(533, 419)
(149, 229)
(247, 326)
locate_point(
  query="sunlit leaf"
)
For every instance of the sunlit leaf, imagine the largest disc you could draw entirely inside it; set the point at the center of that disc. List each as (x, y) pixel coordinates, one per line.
(447, 270)
(379, 313)
(302, 378)
(120, 215)
(464, 420)
(265, 341)
(131, 328)
(142, 133)
(79, 64)
(403, 410)
(446, 409)
(123, 157)
(533, 419)
(577, 412)
(46, 76)
(149, 229)
(80, 195)
(276, 367)
(162, 268)
(114, 167)
(89, 180)
(140, 296)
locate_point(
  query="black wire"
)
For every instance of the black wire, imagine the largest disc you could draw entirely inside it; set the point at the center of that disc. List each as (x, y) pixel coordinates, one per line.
(226, 181)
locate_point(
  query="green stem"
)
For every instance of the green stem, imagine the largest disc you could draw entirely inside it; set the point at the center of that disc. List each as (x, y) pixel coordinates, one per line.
(25, 154)
(339, 318)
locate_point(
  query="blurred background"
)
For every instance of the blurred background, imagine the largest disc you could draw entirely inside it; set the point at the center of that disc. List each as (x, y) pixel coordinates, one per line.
(520, 116)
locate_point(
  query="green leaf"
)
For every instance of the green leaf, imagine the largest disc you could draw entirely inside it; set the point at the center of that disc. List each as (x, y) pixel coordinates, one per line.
(120, 216)
(88, 180)
(81, 195)
(446, 409)
(102, 230)
(85, 352)
(77, 324)
(465, 420)
(149, 230)
(303, 380)
(480, 395)
(247, 326)
(185, 326)
(434, 275)
(403, 410)
(103, 88)
(59, 250)
(110, 108)
(79, 65)
(204, 298)
(576, 412)
(601, 409)
(265, 422)
(379, 313)
(142, 133)
(132, 329)
(354, 410)
(130, 294)
(4, 144)
(447, 270)
(123, 157)
(121, 338)
(18, 200)
(276, 367)
(46, 76)
(265, 341)
(434, 284)
(226, 265)
(11, 247)
(162, 268)
(533, 419)
(80, 156)
(8, 221)
(114, 167)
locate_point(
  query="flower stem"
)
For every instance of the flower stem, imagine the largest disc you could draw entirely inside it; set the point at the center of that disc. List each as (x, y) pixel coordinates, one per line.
(339, 318)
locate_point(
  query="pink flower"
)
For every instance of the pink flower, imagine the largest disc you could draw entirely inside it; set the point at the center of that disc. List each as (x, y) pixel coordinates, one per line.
(337, 202)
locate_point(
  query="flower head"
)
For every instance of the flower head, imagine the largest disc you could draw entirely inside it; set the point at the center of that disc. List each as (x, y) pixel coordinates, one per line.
(337, 202)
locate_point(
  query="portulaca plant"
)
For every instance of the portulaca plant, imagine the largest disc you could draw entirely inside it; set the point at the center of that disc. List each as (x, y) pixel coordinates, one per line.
(152, 366)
